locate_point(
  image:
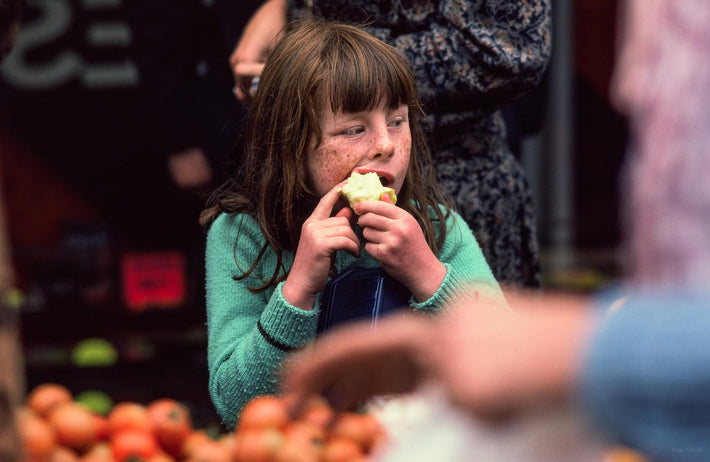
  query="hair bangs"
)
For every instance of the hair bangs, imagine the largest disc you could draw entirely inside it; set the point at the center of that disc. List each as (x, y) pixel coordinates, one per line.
(359, 73)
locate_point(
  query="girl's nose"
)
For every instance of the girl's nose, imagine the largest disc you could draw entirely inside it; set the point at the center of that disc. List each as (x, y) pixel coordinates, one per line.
(382, 147)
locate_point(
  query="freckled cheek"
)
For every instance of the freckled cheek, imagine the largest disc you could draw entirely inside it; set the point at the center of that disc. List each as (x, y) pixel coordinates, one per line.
(403, 147)
(330, 166)
(403, 150)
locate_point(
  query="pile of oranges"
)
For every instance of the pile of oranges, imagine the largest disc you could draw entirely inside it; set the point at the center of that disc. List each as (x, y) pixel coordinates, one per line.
(54, 427)
(265, 432)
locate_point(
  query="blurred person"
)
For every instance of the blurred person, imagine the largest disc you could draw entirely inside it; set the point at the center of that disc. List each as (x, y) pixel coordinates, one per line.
(663, 85)
(333, 100)
(12, 385)
(181, 121)
(633, 359)
(470, 59)
(639, 374)
(180, 48)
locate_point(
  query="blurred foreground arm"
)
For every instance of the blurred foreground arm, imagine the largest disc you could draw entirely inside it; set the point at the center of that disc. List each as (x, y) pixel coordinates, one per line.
(639, 372)
(491, 361)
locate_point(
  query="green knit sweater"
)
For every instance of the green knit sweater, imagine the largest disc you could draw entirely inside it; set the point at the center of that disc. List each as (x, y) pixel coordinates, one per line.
(250, 334)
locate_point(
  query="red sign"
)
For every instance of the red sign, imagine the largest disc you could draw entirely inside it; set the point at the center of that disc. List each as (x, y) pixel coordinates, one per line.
(154, 279)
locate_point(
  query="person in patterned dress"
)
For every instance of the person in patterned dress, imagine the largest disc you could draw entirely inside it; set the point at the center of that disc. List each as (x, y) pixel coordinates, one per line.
(471, 59)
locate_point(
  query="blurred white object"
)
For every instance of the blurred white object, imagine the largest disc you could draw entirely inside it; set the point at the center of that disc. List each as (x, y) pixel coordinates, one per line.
(424, 427)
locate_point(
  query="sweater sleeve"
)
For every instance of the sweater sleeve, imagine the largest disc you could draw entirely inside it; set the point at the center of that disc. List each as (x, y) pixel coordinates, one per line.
(249, 334)
(646, 380)
(466, 268)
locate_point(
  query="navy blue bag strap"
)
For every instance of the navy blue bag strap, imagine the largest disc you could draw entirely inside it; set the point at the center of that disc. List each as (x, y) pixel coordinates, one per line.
(360, 293)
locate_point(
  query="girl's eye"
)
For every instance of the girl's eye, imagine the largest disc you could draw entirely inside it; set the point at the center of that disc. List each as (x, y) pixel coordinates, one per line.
(398, 122)
(353, 131)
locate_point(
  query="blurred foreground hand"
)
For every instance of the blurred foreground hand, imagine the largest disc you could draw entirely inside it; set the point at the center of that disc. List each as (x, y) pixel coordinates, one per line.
(491, 361)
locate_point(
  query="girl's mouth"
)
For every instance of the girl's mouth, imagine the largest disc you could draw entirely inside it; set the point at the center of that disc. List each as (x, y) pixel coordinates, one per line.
(385, 178)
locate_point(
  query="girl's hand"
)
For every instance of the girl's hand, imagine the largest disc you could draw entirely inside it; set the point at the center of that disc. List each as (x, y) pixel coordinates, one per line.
(321, 236)
(395, 239)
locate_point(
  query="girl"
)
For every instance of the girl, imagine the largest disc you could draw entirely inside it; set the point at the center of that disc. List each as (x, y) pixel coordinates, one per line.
(473, 60)
(331, 100)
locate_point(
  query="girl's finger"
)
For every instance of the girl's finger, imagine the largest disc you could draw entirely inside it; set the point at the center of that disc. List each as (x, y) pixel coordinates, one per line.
(381, 207)
(374, 221)
(327, 202)
(345, 212)
(350, 244)
(248, 69)
(374, 235)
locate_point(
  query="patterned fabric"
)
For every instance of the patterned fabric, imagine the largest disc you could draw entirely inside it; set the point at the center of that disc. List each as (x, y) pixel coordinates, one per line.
(470, 58)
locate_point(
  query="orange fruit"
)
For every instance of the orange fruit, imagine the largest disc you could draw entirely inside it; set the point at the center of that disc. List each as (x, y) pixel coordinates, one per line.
(133, 445)
(74, 424)
(161, 457)
(193, 441)
(171, 424)
(228, 440)
(211, 451)
(44, 397)
(98, 452)
(257, 444)
(102, 429)
(305, 433)
(37, 437)
(265, 411)
(340, 449)
(128, 415)
(363, 429)
(317, 410)
(295, 451)
(62, 454)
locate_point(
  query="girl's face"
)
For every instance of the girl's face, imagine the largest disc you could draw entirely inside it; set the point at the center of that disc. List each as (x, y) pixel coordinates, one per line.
(372, 141)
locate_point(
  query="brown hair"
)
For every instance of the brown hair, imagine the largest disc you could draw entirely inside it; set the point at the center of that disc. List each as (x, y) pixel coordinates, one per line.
(318, 57)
